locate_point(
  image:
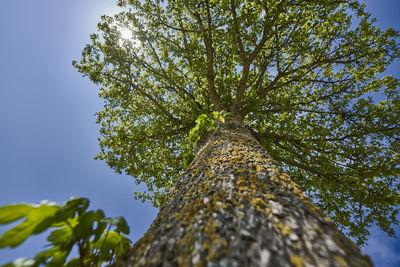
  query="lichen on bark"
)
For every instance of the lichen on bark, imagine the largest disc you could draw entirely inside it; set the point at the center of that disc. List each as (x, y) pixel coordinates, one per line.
(234, 206)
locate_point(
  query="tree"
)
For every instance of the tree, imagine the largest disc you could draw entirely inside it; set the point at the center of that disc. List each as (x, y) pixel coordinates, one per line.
(304, 77)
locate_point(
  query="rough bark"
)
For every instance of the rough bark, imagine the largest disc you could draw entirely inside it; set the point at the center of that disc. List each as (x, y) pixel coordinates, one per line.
(235, 206)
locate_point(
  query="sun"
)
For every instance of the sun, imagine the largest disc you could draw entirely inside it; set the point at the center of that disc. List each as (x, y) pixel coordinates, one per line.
(127, 35)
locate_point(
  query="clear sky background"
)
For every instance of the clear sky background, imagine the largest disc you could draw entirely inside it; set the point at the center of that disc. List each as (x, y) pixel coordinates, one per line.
(48, 135)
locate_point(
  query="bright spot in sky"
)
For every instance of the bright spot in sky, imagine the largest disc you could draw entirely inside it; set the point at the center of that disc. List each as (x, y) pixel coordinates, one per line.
(126, 33)
(127, 36)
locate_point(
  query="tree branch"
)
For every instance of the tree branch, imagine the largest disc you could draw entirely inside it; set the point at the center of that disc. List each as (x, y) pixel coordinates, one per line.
(242, 53)
(207, 38)
(237, 102)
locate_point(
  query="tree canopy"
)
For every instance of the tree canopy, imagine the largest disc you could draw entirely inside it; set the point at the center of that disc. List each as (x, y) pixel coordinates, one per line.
(304, 76)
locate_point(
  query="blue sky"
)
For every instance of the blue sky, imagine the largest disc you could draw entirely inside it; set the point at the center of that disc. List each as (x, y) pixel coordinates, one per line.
(48, 135)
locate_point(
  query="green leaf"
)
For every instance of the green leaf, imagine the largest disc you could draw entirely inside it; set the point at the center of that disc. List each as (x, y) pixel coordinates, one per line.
(109, 241)
(60, 236)
(43, 256)
(71, 207)
(44, 225)
(120, 223)
(84, 228)
(35, 216)
(12, 213)
(59, 257)
(101, 225)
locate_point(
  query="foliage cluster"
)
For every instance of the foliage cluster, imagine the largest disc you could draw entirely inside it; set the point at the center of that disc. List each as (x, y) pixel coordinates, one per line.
(98, 239)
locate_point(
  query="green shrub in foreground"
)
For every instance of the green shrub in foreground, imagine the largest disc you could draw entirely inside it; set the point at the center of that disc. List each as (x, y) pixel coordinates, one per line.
(97, 238)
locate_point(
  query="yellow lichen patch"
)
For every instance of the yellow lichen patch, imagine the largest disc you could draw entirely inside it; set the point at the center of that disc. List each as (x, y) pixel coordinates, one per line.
(258, 156)
(240, 171)
(202, 189)
(208, 173)
(220, 159)
(259, 168)
(286, 230)
(195, 189)
(237, 157)
(341, 261)
(255, 184)
(246, 195)
(274, 170)
(297, 261)
(253, 178)
(268, 212)
(259, 204)
(282, 228)
(243, 188)
(219, 201)
(275, 180)
(270, 196)
(241, 182)
(233, 202)
(284, 177)
(237, 160)
(211, 227)
(296, 189)
(245, 191)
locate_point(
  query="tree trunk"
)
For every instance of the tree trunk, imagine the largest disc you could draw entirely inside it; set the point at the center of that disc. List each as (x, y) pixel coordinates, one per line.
(235, 206)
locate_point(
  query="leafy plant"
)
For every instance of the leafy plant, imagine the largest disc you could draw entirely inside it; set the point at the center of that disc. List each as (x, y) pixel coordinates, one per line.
(204, 124)
(97, 238)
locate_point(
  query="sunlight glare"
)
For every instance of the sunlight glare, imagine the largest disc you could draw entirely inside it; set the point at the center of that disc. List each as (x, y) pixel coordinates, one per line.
(127, 35)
